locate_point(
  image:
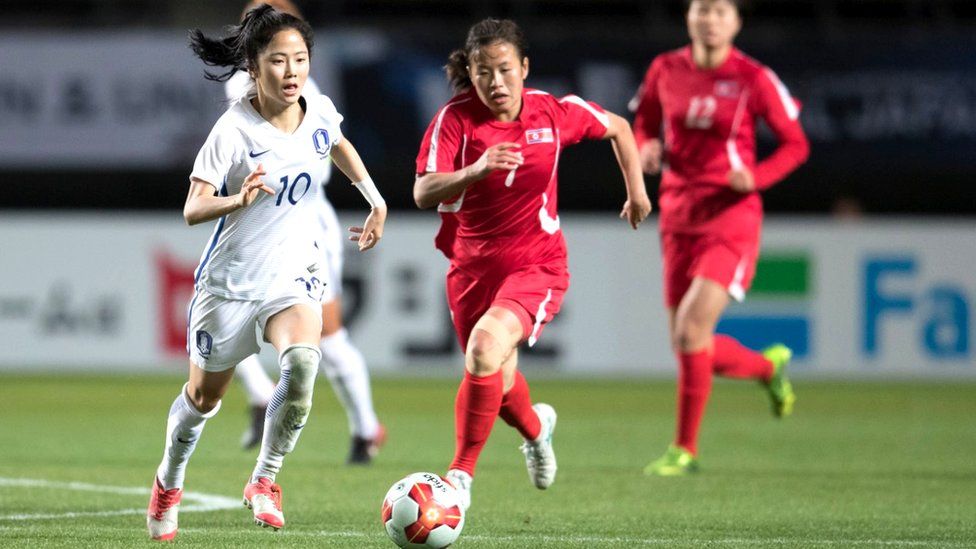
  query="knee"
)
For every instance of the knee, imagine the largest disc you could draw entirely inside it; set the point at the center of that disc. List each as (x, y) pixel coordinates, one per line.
(690, 334)
(484, 354)
(201, 399)
(302, 363)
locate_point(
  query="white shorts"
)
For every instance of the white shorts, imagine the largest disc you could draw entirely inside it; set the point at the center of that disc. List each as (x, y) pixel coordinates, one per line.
(330, 240)
(220, 331)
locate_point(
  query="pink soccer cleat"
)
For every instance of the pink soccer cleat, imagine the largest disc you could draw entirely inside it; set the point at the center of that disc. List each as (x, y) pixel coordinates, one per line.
(264, 498)
(164, 506)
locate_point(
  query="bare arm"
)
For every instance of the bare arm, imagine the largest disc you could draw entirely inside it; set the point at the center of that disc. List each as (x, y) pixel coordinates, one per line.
(202, 205)
(433, 188)
(346, 158)
(638, 205)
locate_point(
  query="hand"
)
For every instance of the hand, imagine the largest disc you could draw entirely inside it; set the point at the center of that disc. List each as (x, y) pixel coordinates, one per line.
(742, 181)
(252, 184)
(650, 156)
(503, 156)
(636, 210)
(372, 230)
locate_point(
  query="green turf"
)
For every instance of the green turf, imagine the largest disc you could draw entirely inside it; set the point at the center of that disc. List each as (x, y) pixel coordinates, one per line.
(859, 465)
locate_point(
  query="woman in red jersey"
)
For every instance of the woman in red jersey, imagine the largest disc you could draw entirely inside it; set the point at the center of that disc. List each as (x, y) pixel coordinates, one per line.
(488, 162)
(708, 96)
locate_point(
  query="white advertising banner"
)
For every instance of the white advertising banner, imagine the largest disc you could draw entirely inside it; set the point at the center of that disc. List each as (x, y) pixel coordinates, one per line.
(889, 299)
(115, 98)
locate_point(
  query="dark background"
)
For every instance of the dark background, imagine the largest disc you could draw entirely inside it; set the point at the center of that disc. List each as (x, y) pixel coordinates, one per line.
(888, 88)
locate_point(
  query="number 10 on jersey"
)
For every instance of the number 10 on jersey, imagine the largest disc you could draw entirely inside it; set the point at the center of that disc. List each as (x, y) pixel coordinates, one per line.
(289, 190)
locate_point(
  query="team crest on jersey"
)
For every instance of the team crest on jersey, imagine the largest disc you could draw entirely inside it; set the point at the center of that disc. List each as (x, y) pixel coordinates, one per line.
(204, 343)
(726, 88)
(538, 135)
(320, 138)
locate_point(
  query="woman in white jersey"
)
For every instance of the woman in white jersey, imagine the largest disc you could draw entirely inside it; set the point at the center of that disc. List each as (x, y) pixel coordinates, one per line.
(255, 175)
(342, 363)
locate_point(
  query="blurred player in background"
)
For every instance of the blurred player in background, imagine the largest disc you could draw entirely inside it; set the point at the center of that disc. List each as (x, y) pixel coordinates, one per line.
(342, 363)
(488, 162)
(708, 97)
(262, 266)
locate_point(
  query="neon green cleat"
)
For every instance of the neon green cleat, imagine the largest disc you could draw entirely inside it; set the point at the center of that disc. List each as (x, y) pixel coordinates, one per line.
(780, 390)
(675, 462)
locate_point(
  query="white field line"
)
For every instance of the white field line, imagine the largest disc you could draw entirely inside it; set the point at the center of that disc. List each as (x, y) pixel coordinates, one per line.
(192, 501)
(522, 539)
(208, 502)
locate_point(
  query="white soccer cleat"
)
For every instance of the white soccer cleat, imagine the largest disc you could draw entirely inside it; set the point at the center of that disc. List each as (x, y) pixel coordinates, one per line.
(264, 498)
(462, 483)
(540, 459)
(164, 507)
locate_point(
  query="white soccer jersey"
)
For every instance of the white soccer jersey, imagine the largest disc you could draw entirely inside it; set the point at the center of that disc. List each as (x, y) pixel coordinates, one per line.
(250, 246)
(331, 236)
(240, 85)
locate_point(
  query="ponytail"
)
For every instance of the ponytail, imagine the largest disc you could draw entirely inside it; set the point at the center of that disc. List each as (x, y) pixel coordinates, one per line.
(483, 33)
(457, 70)
(240, 47)
(222, 52)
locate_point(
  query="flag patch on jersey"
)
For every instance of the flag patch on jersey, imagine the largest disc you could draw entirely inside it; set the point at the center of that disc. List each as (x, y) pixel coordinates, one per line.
(539, 135)
(726, 88)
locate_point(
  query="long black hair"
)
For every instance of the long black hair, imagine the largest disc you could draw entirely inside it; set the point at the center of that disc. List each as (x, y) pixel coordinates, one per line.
(483, 33)
(239, 49)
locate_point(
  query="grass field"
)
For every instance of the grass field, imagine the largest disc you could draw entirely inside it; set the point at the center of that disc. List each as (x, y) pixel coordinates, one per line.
(859, 465)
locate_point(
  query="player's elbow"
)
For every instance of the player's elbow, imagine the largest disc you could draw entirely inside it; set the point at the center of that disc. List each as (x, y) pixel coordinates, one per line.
(423, 202)
(421, 194)
(190, 215)
(802, 147)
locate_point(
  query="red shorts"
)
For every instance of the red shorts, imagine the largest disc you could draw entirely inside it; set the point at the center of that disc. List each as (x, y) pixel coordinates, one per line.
(534, 293)
(732, 264)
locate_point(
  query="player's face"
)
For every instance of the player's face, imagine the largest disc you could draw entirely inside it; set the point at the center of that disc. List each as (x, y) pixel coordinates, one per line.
(282, 68)
(498, 74)
(713, 23)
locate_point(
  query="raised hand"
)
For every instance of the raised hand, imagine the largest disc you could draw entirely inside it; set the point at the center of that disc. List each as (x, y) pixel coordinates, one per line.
(252, 185)
(503, 156)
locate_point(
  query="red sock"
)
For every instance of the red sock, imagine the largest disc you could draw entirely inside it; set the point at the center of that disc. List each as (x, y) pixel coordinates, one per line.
(475, 409)
(517, 409)
(732, 359)
(694, 385)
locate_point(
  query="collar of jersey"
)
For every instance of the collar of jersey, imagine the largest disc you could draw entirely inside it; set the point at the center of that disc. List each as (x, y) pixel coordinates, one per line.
(268, 127)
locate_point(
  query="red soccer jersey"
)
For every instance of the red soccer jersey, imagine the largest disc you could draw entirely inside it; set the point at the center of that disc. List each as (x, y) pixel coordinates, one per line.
(709, 120)
(514, 210)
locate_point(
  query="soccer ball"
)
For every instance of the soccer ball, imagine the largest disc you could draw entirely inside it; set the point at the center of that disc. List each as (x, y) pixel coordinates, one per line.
(422, 510)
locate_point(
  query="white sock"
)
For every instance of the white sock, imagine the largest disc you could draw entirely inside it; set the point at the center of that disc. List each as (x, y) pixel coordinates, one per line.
(288, 410)
(257, 384)
(183, 429)
(343, 364)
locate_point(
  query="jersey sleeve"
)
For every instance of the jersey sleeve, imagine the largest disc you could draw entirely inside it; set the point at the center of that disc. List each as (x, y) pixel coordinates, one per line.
(441, 145)
(773, 102)
(215, 158)
(580, 119)
(332, 117)
(646, 106)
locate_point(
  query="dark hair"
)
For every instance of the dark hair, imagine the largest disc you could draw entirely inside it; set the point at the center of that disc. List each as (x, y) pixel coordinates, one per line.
(483, 33)
(740, 5)
(240, 48)
(286, 6)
